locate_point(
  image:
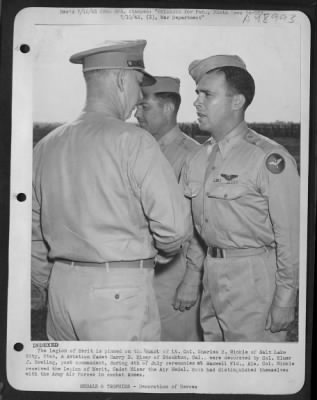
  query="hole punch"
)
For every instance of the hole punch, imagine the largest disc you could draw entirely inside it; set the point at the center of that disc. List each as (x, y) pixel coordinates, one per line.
(21, 196)
(18, 346)
(24, 48)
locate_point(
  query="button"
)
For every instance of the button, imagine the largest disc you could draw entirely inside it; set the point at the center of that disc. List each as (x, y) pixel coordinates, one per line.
(206, 220)
(213, 168)
(117, 296)
(207, 193)
(225, 195)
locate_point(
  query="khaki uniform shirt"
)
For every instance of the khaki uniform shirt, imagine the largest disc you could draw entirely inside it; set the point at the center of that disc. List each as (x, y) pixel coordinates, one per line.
(177, 148)
(103, 191)
(249, 199)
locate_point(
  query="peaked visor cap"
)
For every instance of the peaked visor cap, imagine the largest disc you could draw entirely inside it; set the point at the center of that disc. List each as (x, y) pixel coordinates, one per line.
(198, 68)
(164, 84)
(124, 54)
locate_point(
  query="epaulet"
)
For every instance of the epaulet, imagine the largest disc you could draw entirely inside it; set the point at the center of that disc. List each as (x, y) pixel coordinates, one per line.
(262, 142)
(274, 153)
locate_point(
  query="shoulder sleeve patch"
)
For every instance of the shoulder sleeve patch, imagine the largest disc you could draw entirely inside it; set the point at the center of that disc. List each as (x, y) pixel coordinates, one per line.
(275, 163)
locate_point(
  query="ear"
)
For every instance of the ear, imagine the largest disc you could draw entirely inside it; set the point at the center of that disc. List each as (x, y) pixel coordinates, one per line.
(169, 108)
(238, 101)
(121, 79)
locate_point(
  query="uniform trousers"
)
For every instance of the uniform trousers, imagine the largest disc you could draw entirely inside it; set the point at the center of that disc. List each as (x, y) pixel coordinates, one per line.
(102, 303)
(175, 325)
(237, 295)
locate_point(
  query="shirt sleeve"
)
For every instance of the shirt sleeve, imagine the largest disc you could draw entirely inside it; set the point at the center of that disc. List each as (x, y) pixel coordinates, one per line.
(161, 197)
(279, 183)
(195, 256)
(40, 265)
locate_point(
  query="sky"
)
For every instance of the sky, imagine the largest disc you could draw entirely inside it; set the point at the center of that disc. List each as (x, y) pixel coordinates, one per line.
(271, 53)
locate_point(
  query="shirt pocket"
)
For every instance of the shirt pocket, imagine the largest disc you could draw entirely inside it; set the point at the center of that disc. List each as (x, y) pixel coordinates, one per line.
(227, 191)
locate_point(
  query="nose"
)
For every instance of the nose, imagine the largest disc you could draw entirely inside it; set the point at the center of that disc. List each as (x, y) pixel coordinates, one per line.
(197, 101)
(137, 112)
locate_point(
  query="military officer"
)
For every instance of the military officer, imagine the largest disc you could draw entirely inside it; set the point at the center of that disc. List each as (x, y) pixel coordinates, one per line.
(177, 283)
(105, 203)
(244, 191)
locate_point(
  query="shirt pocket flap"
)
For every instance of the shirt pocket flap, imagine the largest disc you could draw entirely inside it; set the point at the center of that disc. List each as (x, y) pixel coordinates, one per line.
(227, 191)
(192, 189)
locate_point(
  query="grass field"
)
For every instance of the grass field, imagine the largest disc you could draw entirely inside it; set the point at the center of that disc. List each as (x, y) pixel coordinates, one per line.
(285, 134)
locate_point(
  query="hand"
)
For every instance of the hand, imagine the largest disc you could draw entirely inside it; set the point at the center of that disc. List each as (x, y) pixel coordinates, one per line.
(38, 297)
(186, 296)
(279, 318)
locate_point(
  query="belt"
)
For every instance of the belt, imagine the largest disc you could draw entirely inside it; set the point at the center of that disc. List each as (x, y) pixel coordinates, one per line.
(216, 252)
(148, 263)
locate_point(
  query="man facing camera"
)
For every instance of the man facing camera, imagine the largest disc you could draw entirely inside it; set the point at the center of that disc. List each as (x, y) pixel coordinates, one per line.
(177, 283)
(105, 203)
(244, 192)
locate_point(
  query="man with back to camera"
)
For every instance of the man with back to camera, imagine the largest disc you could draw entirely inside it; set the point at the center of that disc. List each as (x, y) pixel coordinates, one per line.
(105, 202)
(178, 283)
(244, 191)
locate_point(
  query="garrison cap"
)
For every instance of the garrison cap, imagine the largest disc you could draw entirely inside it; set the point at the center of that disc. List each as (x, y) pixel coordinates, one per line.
(123, 54)
(164, 84)
(198, 68)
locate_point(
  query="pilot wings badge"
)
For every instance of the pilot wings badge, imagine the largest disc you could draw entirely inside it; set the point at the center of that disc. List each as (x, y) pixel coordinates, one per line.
(229, 177)
(275, 163)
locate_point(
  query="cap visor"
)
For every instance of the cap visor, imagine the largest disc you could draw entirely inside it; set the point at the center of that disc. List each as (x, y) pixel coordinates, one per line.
(148, 80)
